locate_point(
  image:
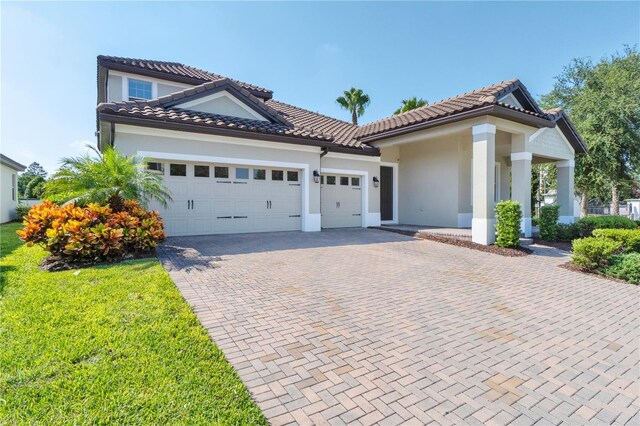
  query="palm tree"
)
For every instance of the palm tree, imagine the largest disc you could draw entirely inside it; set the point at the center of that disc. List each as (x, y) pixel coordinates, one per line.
(355, 101)
(110, 177)
(409, 104)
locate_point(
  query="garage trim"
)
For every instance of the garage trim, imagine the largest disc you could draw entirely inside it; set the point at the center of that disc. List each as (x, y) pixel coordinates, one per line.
(310, 222)
(366, 220)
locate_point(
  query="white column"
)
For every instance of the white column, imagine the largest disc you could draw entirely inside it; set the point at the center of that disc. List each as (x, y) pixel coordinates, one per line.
(566, 192)
(521, 187)
(483, 229)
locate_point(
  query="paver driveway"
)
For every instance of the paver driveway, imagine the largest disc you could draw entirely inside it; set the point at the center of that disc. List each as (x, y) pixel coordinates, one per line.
(366, 326)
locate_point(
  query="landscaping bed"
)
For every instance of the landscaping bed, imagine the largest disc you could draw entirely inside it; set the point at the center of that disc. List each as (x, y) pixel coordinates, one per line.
(109, 344)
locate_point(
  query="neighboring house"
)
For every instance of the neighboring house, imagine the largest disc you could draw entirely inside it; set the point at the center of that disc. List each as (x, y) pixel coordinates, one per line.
(9, 193)
(633, 210)
(236, 160)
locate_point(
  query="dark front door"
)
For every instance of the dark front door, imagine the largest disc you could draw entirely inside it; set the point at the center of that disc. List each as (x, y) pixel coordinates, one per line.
(386, 193)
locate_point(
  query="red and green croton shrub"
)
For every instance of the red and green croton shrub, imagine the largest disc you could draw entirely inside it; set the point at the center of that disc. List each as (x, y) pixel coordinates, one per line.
(94, 232)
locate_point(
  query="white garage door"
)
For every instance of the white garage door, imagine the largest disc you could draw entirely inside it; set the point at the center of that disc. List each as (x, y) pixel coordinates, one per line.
(225, 198)
(340, 201)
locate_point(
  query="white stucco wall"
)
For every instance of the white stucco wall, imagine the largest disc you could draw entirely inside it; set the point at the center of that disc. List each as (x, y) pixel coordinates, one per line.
(8, 197)
(428, 182)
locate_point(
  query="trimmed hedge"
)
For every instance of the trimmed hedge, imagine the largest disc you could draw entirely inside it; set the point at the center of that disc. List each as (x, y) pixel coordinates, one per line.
(629, 238)
(625, 266)
(93, 233)
(567, 232)
(586, 225)
(508, 217)
(593, 253)
(547, 221)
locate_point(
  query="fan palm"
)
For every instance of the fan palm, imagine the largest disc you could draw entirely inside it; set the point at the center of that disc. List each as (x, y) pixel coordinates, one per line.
(108, 177)
(355, 101)
(409, 104)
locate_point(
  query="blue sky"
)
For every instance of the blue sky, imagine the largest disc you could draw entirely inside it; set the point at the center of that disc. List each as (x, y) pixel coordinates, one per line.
(307, 53)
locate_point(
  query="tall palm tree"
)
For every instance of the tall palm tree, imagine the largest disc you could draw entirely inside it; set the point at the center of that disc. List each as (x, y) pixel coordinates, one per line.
(108, 177)
(409, 104)
(355, 101)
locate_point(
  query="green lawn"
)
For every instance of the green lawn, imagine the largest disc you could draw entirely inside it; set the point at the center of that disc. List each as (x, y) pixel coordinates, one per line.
(107, 345)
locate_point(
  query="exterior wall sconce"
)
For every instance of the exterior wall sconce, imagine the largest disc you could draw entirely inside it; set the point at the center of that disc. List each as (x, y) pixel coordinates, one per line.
(376, 182)
(316, 176)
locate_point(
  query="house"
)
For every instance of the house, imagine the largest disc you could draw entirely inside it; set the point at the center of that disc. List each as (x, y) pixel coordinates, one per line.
(237, 160)
(9, 193)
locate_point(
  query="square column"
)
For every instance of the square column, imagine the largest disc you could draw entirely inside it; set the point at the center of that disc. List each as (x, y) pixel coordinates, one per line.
(566, 191)
(521, 187)
(483, 228)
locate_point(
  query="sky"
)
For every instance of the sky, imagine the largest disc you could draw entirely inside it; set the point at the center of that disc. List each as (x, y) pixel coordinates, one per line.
(307, 53)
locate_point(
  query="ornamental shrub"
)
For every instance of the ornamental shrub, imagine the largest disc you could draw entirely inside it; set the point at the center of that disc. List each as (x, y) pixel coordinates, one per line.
(508, 216)
(92, 233)
(629, 238)
(21, 211)
(593, 253)
(547, 222)
(586, 225)
(625, 266)
(567, 232)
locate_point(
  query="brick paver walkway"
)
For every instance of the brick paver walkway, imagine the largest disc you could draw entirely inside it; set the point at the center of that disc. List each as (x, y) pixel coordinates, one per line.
(370, 327)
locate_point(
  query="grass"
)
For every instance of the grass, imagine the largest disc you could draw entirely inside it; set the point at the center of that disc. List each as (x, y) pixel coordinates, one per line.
(112, 344)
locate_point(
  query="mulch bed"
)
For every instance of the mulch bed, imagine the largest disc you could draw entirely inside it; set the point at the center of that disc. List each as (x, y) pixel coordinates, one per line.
(575, 268)
(56, 263)
(561, 245)
(502, 251)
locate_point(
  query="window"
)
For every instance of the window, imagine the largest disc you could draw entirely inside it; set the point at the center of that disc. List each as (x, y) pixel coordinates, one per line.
(292, 176)
(344, 180)
(221, 172)
(259, 174)
(331, 180)
(277, 175)
(156, 167)
(178, 169)
(322, 180)
(140, 90)
(201, 171)
(242, 173)
(355, 181)
(13, 187)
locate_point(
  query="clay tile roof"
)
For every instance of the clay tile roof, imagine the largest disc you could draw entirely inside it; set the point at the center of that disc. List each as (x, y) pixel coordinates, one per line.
(173, 71)
(485, 96)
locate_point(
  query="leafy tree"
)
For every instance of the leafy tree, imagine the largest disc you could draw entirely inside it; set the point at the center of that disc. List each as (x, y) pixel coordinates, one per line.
(34, 169)
(355, 101)
(544, 178)
(603, 101)
(35, 187)
(409, 104)
(109, 177)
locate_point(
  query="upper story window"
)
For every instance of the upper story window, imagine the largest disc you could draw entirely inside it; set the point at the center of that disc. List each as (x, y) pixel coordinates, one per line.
(140, 90)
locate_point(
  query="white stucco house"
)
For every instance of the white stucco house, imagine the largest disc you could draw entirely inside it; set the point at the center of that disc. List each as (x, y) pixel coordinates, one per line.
(237, 160)
(9, 192)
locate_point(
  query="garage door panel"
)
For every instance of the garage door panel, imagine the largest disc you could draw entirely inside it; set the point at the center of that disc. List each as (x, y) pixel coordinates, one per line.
(230, 205)
(341, 205)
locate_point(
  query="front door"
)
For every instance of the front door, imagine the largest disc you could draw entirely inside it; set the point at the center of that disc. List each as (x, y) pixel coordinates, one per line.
(386, 193)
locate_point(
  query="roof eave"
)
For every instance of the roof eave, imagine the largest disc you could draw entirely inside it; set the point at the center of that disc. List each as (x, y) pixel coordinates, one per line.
(6, 161)
(494, 110)
(168, 125)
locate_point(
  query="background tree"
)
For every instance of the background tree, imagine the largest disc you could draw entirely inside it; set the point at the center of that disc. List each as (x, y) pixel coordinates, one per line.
(34, 169)
(603, 101)
(355, 101)
(35, 187)
(107, 178)
(409, 104)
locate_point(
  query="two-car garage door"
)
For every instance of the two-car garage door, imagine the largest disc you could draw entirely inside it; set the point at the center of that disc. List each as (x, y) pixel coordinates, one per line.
(224, 198)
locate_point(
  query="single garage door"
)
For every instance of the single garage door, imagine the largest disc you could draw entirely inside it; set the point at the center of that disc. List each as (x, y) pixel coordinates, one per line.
(340, 201)
(227, 198)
